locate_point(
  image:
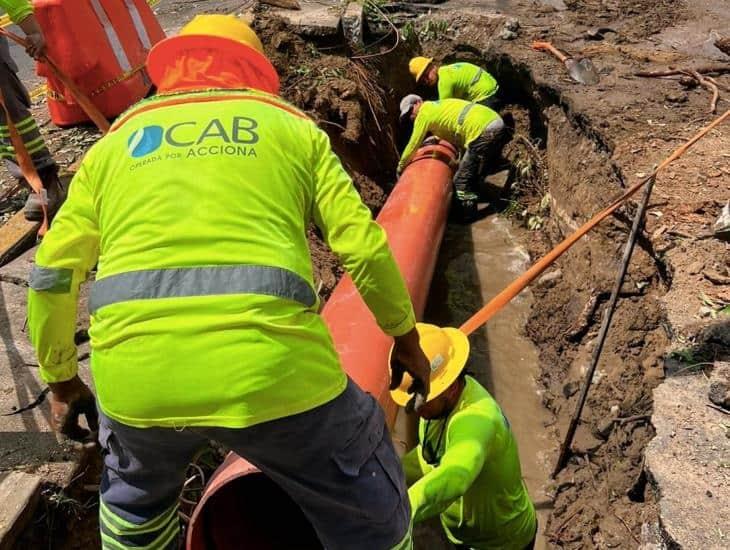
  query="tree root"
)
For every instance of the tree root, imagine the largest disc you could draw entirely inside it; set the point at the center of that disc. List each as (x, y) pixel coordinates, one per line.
(709, 85)
(698, 75)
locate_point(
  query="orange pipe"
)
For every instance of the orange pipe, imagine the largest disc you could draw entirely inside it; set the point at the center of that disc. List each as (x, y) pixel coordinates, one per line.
(241, 507)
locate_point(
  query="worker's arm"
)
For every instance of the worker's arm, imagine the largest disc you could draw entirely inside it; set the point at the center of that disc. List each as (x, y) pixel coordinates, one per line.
(66, 255)
(413, 466)
(467, 440)
(349, 229)
(361, 244)
(21, 13)
(420, 129)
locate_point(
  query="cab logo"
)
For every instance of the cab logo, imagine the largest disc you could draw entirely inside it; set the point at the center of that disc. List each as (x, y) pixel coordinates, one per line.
(190, 139)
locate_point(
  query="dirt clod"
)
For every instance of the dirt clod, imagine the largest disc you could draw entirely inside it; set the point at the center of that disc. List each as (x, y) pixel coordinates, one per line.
(719, 392)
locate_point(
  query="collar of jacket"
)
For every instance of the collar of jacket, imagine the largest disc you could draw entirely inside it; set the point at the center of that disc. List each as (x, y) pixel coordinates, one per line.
(202, 69)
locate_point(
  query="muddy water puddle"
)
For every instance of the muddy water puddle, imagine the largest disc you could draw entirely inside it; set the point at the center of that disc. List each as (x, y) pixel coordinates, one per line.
(475, 263)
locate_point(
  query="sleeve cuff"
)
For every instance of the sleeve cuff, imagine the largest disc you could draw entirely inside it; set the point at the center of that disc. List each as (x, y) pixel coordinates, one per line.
(59, 373)
(403, 326)
(18, 15)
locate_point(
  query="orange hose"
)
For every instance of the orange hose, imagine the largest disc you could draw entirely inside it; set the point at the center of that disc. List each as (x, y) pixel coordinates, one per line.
(81, 98)
(519, 284)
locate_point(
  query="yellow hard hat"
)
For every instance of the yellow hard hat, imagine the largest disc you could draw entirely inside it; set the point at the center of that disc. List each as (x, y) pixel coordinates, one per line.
(418, 65)
(224, 26)
(447, 350)
(225, 33)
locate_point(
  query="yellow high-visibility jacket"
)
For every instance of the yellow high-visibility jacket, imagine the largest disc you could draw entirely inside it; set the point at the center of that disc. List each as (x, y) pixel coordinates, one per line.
(204, 312)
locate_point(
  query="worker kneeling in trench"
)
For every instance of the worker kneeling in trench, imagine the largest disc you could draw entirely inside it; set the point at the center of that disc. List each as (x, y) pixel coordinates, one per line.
(204, 320)
(473, 128)
(466, 467)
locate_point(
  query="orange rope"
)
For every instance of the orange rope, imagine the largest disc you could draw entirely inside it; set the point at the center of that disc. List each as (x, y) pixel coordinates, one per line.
(519, 284)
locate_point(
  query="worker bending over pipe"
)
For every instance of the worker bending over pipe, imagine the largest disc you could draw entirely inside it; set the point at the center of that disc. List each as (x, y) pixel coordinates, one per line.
(466, 468)
(473, 128)
(459, 80)
(204, 320)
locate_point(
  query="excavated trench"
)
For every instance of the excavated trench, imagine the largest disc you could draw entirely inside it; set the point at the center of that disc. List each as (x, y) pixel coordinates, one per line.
(533, 354)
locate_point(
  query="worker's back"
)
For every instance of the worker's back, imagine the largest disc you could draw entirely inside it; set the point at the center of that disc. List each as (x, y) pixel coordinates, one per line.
(465, 81)
(457, 121)
(223, 182)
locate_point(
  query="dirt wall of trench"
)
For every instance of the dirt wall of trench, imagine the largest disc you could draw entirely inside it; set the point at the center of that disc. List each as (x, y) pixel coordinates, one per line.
(601, 497)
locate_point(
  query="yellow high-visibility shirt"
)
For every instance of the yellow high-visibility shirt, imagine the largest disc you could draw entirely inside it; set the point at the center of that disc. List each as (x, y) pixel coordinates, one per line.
(196, 207)
(476, 482)
(465, 81)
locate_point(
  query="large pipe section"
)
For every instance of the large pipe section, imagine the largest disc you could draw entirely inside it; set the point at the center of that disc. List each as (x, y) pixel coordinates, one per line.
(243, 509)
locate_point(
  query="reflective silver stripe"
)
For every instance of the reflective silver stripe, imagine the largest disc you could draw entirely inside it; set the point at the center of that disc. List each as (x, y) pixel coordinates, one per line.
(138, 24)
(476, 78)
(49, 279)
(464, 112)
(112, 37)
(200, 281)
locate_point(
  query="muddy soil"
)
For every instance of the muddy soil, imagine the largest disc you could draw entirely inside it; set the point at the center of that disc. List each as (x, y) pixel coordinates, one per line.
(587, 145)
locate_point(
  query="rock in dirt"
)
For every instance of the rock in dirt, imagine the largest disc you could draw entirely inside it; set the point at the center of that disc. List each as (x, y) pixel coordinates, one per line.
(496, 185)
(549, 279)
(723, 44)
(604, 428)
(512, 24)
(584, 442)
(353, 25)
(722, 224)
(676, 97)
(314, 20)
(719, 392)
(685, 463)
(287, 4)
(507, 34)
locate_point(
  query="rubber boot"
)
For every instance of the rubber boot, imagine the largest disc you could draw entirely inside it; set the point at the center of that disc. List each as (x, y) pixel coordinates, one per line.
(55, 195)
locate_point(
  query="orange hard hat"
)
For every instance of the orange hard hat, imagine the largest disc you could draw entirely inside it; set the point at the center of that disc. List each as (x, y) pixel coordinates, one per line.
(225, 33)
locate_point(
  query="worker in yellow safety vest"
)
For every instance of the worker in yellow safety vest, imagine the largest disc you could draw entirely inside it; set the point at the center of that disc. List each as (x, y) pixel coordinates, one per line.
(474, 129)
(466, 467)
(17, 107)
(459, 80)
(204, 320)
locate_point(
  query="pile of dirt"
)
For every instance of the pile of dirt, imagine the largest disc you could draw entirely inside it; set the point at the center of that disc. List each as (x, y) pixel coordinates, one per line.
(345, 98)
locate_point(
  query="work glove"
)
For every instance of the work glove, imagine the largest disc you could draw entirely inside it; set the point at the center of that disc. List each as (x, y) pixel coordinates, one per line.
(36, 43)
(69, 400)
(408, 357)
